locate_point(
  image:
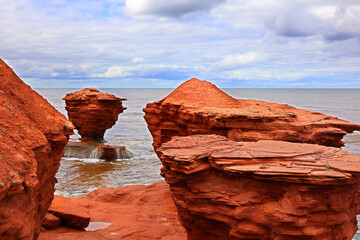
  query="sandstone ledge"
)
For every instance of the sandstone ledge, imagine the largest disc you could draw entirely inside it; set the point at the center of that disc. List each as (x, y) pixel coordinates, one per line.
(263, 190)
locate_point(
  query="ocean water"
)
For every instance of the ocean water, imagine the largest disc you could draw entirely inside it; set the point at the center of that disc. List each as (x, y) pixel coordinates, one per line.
(80, 176)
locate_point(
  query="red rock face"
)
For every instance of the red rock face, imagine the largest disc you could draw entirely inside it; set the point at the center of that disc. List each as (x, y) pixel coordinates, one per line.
(93, 112)
(131, 212)
(33, 135)
(199, 107)
(241, 183)
(264, 190)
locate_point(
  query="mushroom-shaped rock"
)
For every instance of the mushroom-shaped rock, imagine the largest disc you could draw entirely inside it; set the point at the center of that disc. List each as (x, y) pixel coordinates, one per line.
(33, 135)
(93, 112)
(262, 190)
(199, 107)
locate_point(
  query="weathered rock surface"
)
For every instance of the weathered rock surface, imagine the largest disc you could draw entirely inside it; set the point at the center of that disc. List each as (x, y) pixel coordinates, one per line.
(130, 212)
(199, 107)
(92, 149)
(51, 221)
(70, 212)
(262, 190)
(93, 112)
(33, 135)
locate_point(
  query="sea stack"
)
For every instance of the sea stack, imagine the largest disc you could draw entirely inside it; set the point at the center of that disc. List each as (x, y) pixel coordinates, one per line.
(249, 169)
(33, 135)
(93, 112)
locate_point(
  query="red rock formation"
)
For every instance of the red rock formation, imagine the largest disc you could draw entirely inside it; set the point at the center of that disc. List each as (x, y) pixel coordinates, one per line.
(71, 213)
(133, 212)
(33, 135)
(93, 112)
(262, 190)
(199, 107)
(259, 188)
(51, 221)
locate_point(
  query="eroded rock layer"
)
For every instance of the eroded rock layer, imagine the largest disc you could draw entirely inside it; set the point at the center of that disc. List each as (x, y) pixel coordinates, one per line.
(199, 107)
(93, 112)
(33, 135)
(262, 190)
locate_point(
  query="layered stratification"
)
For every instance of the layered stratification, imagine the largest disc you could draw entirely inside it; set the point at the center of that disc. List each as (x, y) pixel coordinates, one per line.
(199, 107)
(33, 135)
(262, 190)
(93, 112)
(264, 175)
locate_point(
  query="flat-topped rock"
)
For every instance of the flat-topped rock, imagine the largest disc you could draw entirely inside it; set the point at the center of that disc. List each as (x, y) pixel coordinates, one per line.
(262, 190)
(199, 107)
(265, 159)
(70, 212)
(93, 112)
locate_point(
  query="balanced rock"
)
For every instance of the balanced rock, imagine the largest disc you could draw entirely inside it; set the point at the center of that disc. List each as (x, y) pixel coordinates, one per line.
(262, 190)
(33, 135)
(93, 112)
(199, 107)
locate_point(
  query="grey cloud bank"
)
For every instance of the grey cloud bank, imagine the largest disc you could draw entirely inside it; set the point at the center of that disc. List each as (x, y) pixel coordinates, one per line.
(160, 43)
(168, 9)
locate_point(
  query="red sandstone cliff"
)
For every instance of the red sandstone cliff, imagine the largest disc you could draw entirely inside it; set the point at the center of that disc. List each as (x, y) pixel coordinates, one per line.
(93, 112)
(264, 190)
(199, 107)
(33, 135)
(240, 183)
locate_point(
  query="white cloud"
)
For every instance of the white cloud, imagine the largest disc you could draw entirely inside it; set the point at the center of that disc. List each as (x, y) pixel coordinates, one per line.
(142, 70)
(273, 40)
(235, 60)
(137, 60)
(115, 71)
(331, 19)
(168, 8)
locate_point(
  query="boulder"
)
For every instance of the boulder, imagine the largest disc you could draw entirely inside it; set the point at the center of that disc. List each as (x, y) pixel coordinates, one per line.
(51, 221)
(262, 190)
(33, 135)
(199, 107)
(92, 149)
(70, 212)
(93, 112)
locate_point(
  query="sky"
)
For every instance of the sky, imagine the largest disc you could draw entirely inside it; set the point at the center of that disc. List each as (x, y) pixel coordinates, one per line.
(161, 43)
